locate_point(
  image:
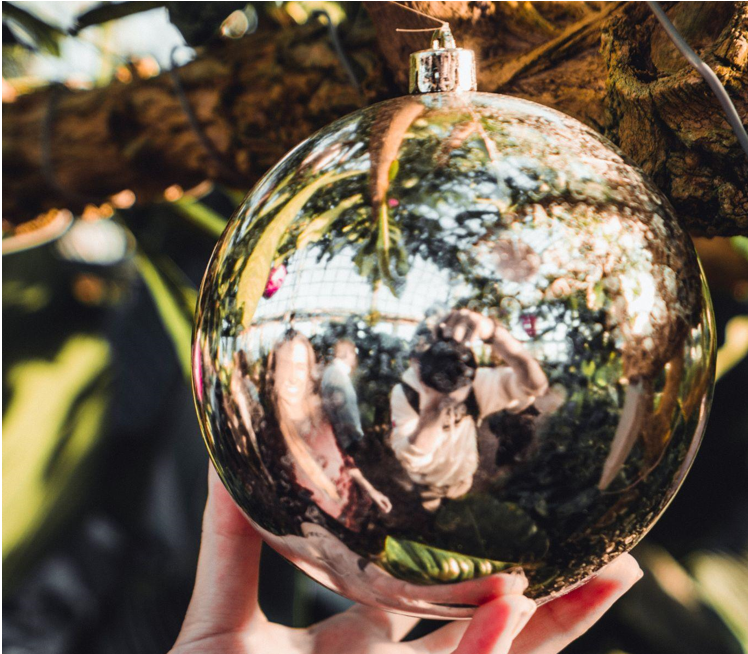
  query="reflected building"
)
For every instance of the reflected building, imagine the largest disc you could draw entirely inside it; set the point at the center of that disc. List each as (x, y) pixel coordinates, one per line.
(318, 290)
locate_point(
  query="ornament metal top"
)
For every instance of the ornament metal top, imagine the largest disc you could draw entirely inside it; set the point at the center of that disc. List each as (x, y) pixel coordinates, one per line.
(443, 68)
(452, 335)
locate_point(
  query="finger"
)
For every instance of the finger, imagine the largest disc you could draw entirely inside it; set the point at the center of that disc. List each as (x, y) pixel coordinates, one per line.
(559, 622)
(491, 630)
(392, 627)
(225, 595)
(465, 331)
(459, 333)
(462, 325)
(442, 641)
(445, 330)
(475, 591)
(495, 625)
(451, 323)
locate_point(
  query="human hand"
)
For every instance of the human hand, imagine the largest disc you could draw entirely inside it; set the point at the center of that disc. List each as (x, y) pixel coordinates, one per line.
(462, 324)
(381, 500)
(224, 616)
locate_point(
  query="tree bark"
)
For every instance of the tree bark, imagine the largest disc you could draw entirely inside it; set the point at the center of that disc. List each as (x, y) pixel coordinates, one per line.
(608, 64)
(254, 100)
(665, 117)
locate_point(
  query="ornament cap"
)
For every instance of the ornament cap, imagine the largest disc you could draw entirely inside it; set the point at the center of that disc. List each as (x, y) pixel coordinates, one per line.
(444, 67)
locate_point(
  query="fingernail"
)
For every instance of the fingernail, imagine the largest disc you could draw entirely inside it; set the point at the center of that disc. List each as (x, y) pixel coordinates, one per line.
(516, 582)
(525, 610)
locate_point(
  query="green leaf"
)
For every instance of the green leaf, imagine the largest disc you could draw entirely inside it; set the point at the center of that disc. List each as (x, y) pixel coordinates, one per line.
(254, 276)
(394, 169)
(52, 422)
(381, 255)
(44, 36)
(175, 302)
(735, 346)
(722, 581)
(588, 368)
(424, 564)
(316, 229)
(740, 243)
(106, 11)
(204, 217)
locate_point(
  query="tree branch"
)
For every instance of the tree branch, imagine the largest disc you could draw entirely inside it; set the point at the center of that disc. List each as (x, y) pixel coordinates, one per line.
(254, 101)
(607, 64)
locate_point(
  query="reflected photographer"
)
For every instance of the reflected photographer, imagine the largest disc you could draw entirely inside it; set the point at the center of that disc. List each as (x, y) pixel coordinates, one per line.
(444, 397)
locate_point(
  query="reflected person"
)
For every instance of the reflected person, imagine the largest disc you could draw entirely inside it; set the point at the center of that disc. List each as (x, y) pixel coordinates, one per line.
(246, 397)
(339, 398)
(444, 396)
(331, 476)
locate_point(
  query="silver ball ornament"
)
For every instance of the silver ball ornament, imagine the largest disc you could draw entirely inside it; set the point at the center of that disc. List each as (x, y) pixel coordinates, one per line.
(450, 336)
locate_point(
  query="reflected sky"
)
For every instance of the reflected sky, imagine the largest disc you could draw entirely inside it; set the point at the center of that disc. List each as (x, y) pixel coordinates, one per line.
(317, 291)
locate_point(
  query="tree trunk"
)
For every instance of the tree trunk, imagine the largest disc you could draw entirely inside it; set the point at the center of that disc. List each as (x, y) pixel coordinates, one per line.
(608, 64)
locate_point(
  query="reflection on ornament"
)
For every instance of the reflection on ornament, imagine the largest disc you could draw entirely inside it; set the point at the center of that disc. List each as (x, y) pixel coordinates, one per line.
(275, 281)
(492, 350)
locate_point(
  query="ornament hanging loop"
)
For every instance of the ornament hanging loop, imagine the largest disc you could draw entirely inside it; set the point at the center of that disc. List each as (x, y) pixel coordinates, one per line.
(442, 39)
(443, 68)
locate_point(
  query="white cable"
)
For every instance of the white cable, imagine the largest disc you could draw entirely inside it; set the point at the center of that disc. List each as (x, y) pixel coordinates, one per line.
(707, 73)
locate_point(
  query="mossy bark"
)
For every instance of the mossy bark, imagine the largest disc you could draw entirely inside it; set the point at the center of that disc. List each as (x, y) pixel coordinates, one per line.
(608, 64)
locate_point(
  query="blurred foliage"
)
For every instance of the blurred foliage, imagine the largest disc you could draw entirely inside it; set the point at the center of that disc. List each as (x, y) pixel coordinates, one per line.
(201, 215)
(721, 581)
(34, 32)
(175, 299)
(44, 448)
(740, 243)
(735, 347)
(106, 11)
(56, 398)
(197, 22)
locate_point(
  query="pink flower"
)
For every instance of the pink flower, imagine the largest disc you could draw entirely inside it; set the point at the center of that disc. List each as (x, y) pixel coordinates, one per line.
(528, 323)
(275, 281)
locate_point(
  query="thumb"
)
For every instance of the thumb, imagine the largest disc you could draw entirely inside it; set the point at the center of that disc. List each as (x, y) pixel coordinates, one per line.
(225, 595)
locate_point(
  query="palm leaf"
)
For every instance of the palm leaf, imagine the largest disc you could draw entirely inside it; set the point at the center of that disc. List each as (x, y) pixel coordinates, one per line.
(55, 417)
(106, 11)
(175, 302)
(201, 215)
(317, 228)
(255, 274)
(406, 559)
(722, 581)
(44, 36)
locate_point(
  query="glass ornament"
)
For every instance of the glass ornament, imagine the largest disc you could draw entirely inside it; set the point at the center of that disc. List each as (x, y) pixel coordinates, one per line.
(452, 335)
